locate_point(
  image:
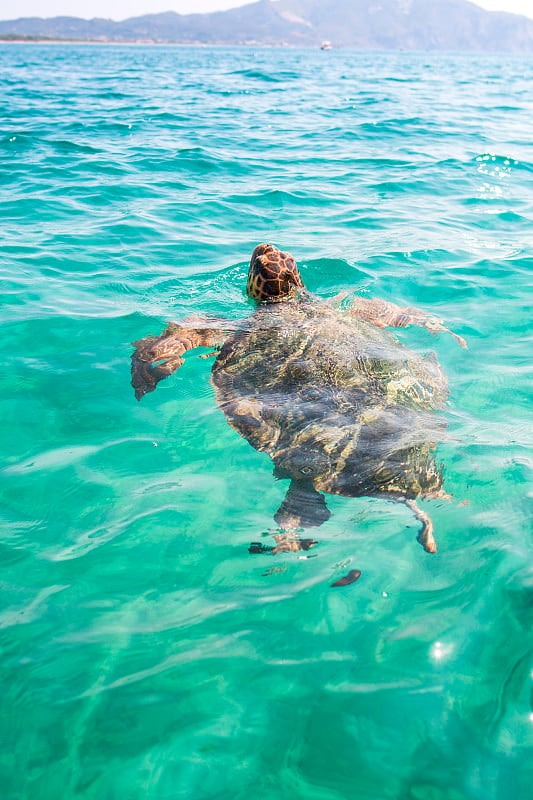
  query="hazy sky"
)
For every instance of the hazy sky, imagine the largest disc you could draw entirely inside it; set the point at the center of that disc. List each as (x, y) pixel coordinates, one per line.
(121, 9)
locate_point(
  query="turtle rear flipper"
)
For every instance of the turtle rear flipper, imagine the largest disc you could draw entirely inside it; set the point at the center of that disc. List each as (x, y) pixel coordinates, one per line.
(303, 507)
(285, 543)
(425, 536)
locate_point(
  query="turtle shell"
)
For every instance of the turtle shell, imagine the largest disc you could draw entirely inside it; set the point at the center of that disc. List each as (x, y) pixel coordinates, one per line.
(334, 400)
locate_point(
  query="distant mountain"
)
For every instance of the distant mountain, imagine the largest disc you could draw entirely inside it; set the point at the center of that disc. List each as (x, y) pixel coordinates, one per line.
(451, 25)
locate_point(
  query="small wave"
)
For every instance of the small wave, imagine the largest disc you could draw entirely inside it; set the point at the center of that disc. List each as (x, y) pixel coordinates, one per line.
(195, 159)
(18, 140)
(68, 146)
(98, 125)
(170, 118)
(506, 163)
(397, 125)
(111, 95)
(279, 197)
(403, 187)
(331, 275)
(267, 77)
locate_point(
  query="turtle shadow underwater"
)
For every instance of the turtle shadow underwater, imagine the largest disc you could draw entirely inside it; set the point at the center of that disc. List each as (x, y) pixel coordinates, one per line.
(337, 402)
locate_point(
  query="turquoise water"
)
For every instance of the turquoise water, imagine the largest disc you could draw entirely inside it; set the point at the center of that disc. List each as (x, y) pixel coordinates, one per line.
(145, 653)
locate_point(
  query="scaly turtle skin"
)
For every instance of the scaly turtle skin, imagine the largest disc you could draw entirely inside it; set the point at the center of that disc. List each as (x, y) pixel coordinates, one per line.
(339, 404)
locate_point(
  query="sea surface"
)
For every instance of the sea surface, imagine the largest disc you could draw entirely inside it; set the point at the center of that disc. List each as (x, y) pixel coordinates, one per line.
(145, 654)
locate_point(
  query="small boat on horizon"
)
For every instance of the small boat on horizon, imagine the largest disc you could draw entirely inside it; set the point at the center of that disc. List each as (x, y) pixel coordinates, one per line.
(326, 45)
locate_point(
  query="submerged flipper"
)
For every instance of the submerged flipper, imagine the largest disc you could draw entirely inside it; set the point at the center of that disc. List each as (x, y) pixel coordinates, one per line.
(385, 314)
(425, 537)
(303, 507)
(157, 357)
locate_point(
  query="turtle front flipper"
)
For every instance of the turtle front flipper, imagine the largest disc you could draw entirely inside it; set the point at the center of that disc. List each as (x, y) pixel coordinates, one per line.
(157, 357)
(389, 315)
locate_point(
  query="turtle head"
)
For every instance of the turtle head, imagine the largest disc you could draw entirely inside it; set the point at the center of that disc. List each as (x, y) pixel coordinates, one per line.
(273, 275)
(301, 462)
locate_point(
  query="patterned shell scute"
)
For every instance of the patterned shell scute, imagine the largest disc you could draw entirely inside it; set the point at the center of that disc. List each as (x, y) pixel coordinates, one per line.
(334, 400)
(276, 275)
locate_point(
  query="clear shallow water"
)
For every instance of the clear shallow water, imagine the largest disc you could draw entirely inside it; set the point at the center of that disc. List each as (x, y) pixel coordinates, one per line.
(145, 653)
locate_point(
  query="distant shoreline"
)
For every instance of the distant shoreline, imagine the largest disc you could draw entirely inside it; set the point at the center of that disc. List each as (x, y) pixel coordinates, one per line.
(130, 42)
(263, 45)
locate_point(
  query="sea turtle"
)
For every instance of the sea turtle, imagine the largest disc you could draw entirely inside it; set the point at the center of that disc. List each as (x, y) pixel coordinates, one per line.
(337, 402)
